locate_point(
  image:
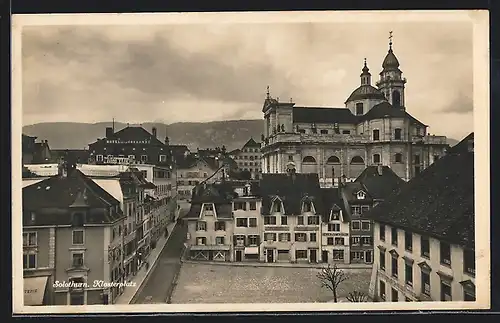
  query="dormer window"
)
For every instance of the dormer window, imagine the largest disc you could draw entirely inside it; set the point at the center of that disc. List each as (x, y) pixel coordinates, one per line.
(33, 216)
(277, 206)
(361, 195)
(307, 206)
(78, 219)
(334, 215)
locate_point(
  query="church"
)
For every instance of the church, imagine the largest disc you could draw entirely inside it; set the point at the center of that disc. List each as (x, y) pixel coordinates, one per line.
(374, 128)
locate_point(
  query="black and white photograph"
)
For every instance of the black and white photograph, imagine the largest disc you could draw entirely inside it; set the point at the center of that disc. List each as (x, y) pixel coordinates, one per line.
(258, 161)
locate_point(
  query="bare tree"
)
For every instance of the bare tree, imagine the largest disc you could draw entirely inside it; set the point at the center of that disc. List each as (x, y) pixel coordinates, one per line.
(357, 297)
(331, 278)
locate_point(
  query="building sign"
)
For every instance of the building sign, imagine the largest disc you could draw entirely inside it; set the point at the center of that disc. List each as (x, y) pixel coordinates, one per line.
(335, 234)
(276, 228)
(118, 160)
(307, 228)
(118, 141)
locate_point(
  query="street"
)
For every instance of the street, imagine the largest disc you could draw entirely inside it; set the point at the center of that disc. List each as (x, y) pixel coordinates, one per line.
(158, 285)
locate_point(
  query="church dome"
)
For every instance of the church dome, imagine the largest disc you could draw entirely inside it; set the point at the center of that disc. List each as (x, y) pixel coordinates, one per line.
(366, 92)
(390, 60)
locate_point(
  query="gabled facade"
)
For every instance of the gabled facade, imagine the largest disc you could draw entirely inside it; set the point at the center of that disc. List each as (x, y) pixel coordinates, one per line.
(374, 128)
(424, 234)
(194, 169)
(248, 158)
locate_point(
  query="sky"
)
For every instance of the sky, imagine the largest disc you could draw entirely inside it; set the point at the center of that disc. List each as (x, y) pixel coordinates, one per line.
(207, 72)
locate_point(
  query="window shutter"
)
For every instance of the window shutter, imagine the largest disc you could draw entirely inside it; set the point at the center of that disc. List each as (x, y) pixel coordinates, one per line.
(234, 240)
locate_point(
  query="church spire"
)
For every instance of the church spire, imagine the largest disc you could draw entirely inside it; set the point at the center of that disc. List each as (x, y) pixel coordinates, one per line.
(365, 75)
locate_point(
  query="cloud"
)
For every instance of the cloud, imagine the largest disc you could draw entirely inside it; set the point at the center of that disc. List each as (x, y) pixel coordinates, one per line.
(461, 104)
(201, 72)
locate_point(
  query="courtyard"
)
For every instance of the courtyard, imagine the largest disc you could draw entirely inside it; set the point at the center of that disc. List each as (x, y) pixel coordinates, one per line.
(206, 283)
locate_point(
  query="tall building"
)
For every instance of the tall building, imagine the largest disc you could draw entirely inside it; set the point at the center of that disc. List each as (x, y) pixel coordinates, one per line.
(35, 152)
(374, 128)
(72, 237)
(424, 234)
(248, 158)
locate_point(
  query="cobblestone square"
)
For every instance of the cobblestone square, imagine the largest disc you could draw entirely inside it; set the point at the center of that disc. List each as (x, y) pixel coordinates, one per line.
(205, 283)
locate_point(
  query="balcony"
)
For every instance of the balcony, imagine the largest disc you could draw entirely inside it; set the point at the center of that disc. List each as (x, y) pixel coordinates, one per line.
(314, 138)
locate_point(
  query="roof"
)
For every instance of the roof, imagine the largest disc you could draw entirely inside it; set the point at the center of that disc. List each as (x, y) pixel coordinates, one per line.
(350, 190)
(380, 186)
(386, 110)
(291, 189)
(79, 155)
(51, 199)
(439, 202)
(366, 92)
(390, 60)
(190, 160)
(135, 133)
(220, 194)
(251, 143)
(463, 144)
(323, 115)
(333, 199)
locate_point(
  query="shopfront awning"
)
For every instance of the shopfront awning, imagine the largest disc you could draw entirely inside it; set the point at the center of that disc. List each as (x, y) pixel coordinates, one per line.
(251, 250)
(34, 290)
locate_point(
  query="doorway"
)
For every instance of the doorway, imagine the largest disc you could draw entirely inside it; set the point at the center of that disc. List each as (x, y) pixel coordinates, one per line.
(324, 256)
(313, 257)
(270, 255)
(238, 255)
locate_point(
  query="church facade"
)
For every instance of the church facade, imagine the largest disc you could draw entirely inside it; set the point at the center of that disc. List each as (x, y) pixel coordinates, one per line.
(374, 128)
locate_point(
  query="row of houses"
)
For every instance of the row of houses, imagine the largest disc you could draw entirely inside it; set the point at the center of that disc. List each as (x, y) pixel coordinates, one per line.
(86, 225)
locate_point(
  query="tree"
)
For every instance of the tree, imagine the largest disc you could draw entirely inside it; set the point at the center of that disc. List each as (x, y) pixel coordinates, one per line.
(331, 278)
(357, 297)
(245, 175)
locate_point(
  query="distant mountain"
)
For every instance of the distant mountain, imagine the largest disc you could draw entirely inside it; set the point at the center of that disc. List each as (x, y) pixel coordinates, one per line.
(73, 135)
(232, 133)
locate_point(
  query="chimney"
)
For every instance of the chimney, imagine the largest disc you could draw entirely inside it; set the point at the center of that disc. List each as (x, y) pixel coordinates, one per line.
(154, 132)
(333, 176)
(379, 170)
(109, 132)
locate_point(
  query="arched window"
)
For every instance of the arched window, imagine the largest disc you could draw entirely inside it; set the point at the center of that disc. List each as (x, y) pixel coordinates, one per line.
(309, 159)
(376, 158)
(333, 160)
(398, 158)
(357, 160)
(396, 99)
(307, 206)
(359, 109)
(277, 206)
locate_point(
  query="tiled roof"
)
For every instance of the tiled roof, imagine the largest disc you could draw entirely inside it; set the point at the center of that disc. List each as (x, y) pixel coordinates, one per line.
(366, 92)
(385, 109)
(380, 186)
(251, 143)
(51, 199)
(331, 198)
(220, 194)
(438, 202)
(291, 189)
(323, 115)
(350, 190)
(191, 159)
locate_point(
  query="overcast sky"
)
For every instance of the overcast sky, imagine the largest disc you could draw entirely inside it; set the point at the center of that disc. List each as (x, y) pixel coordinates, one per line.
(173, 73)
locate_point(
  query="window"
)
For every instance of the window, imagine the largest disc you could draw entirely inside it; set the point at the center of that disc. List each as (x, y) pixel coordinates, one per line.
(307, 207)
(346, 132)
(312, 237)
(382, 260)
(425, 247)
(382, 290)
(409, 274)
(394, 266)
(300, 254)
(78, 219)
(338, 254)
(356, 225)
(335, 216)
(398, 158)
(290, 158)
(163, 158)
(29, 260)
(376, 159)
(78, 237)
(253, 206)
(300, 220)
(240, 206)
(201, 226)
(329, 241)
(382, 232)
(397, 134)
(242, 222)
(394, 295)
(77, 259)
(208, 207)
(219, 240)
(426, 283)
(253, 240)
(445, 291)
(333, 160)
(356, 255)
(220, 226)
(396, 99)
(334, 227)
(284, 220)
(366, 241)
(469, 262)
(284, 237)
(309, 159)
(356, 210)
(300, 237)
(269, 220)
(394, 236)
(201, 241)
(313, 220)
(252, 222)
(144, 158)
(408, 241)
(445, 254)
(270, 236)
(469, 297)
(359, 109)
(357, 160)
(29, 239)
(277, 206)
(365, 225)
(416, 159)
(355, 241)
(376, 134)
(100, 158)
(323, 131)
(339, 241)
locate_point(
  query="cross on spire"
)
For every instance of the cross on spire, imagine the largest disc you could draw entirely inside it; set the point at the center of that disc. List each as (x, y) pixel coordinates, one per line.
(268, 95)
(390, 39)
(365, 61)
